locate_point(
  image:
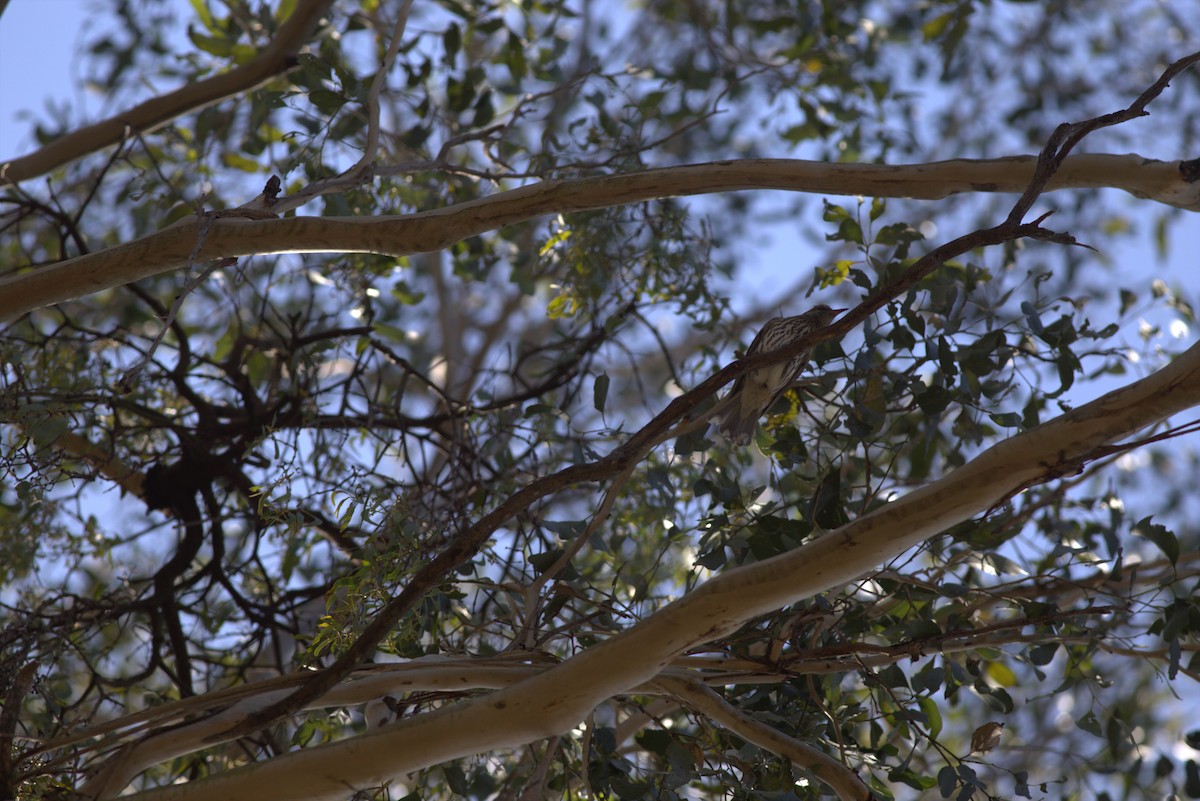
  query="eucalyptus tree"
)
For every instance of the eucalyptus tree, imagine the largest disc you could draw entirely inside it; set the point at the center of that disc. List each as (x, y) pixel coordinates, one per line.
(358, 371)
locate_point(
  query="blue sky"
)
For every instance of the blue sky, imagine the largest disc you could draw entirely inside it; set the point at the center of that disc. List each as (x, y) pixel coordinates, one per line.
(38, 41)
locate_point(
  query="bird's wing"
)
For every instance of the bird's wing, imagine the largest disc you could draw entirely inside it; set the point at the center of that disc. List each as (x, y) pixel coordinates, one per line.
(755, 347)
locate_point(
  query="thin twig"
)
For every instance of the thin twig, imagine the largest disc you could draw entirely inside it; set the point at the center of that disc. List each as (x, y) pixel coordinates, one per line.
(534, 590)
(125, 383)
(362, 170)
(371, 149)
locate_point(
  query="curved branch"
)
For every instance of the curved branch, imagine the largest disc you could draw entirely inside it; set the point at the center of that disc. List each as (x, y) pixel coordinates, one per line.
(277, 58)
(556, 700)
(841, 779)
(233, 236)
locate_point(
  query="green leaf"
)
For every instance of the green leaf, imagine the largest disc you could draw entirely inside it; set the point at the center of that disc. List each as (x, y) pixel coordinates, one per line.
(1001, 674)
(304, 733)
(848, 231)
(1067, 365)
(1030, 415)
(1044, 654)
(660, 479)
(656, 741)
(1161, 536)
(405, 294)
(557, 238)
(713, 559)
(283, 11)
(935, 399)
(1059, 333)
(239, 162)
(1006, 419)
(826, 509)
(514, 58)
(541, 562)
(936, 27)
(600, 391)
(563, 305)
(1090, 724)
(219, 47)
(45, 431)
(203, 14)
(456, 779)
(929, 679)
(834, 275)
(604, 740)
(452, 41)
(878, 207)
(1031, 317)
(869, 412)
(565, 528)
(933, 715)
(947, 781)
(946, 358)
(893, 676)
(485, 112)
(326, 101)
(898, 234)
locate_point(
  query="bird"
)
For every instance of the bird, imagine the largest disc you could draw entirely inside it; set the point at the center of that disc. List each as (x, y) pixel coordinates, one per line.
(755, 391)
(986, 737)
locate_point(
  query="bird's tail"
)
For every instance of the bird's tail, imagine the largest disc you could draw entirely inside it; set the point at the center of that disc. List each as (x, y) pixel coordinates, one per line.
(737, 425)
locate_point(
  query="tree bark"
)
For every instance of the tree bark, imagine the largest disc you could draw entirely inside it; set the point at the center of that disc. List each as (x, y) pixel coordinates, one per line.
(229, 235)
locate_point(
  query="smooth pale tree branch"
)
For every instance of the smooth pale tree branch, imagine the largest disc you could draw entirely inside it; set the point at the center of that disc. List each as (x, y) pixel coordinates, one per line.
(367, 683)
(555, 700)
(123, 757)
(275, 59)
(841, 779)
(401, 235)
(452, 674)
(223, 235)
(371, 148)
(420, 675)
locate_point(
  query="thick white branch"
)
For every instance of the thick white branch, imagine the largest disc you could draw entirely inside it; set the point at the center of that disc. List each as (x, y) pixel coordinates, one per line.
(274, 60)
(230, 236)
(213, 718)
(369, 685)
(554, 701)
